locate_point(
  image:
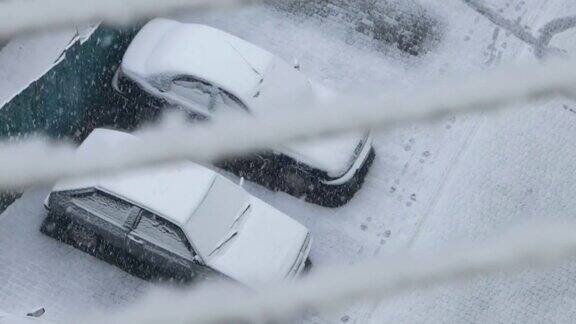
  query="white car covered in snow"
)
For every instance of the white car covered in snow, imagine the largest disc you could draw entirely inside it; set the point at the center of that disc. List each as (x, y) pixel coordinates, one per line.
(202, 71)
(181, 220)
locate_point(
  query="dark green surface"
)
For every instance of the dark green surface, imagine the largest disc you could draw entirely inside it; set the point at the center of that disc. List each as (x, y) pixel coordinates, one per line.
(8, 198)
(74, 97)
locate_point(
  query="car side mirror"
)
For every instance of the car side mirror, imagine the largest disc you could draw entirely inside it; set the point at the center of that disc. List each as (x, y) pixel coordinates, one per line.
(296, 64)
(37, 313)
(241, 182)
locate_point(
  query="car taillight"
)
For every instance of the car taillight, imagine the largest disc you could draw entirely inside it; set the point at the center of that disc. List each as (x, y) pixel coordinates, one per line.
(301, 259)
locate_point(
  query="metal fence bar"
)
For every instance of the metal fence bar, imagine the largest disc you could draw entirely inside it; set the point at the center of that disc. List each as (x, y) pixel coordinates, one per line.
(234, 134)
(532, 246)
(18, 17)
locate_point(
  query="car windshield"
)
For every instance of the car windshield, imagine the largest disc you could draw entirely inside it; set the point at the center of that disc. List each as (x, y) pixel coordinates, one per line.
(214, 219)
(204, 95)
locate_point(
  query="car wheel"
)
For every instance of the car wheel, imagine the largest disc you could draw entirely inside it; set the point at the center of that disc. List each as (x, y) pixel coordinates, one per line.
(83, 238)
(50, 227)
(296, 183)
(54, 228)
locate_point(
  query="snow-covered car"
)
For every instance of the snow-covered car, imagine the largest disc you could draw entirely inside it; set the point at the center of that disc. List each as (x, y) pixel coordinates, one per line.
(34, 317)
(203, 71)
(182, 220)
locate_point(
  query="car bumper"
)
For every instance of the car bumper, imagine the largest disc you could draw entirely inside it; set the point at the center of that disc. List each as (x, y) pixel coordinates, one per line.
(300, 262)
(361, 159)
(333, 196)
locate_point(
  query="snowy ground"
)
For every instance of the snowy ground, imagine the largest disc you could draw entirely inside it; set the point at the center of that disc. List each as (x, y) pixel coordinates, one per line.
(25, 60)
(464, 179)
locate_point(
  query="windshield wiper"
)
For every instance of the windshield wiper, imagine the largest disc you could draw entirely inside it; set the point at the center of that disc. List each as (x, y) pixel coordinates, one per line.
(240, 216)
(228, 239)
(233, 231)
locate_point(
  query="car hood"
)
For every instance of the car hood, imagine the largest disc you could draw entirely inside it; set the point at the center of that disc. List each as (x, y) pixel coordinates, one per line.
(333, 155)
(265, 248)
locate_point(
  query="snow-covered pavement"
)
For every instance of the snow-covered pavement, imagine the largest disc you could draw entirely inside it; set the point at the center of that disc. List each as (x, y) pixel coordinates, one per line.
(463, 179)
(36, 270)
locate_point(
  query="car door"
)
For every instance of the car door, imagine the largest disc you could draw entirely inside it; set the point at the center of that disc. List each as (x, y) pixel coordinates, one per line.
(200, 98)
(161, 243)
(191, 95)
(106, 215)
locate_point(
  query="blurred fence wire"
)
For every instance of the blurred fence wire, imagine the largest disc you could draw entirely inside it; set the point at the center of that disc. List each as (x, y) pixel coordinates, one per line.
(532, 246)
(234, 134)
(17, 17)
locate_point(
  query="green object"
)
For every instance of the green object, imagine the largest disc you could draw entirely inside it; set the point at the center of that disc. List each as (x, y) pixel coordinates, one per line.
(74, 97)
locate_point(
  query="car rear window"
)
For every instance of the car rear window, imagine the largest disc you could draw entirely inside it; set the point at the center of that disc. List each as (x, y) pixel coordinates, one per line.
(104, 206)
(161, 232)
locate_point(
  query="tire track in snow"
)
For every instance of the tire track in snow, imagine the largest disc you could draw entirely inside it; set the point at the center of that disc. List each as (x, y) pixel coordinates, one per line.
(505, 24)
(540, 43)
(473, 130)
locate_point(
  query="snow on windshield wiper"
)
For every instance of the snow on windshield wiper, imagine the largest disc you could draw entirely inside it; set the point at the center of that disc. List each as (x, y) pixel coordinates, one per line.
(232, 233)
(240, 216)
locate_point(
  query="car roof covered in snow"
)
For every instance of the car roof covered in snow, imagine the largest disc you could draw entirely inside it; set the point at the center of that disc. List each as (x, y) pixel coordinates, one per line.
(173, 48)
(173, 191)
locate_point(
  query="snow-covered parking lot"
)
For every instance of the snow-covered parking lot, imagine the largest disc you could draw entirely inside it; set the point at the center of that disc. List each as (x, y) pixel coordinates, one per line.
(461, 180)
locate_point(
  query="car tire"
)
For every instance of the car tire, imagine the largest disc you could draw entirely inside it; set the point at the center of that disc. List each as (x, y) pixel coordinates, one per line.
(55, 228)
(49, 227)
(83, 238)
(294, 180)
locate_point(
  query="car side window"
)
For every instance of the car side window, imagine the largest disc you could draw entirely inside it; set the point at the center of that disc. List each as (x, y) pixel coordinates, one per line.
(103, 205)
(205, 95)
(197, 92)
(161, 232)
